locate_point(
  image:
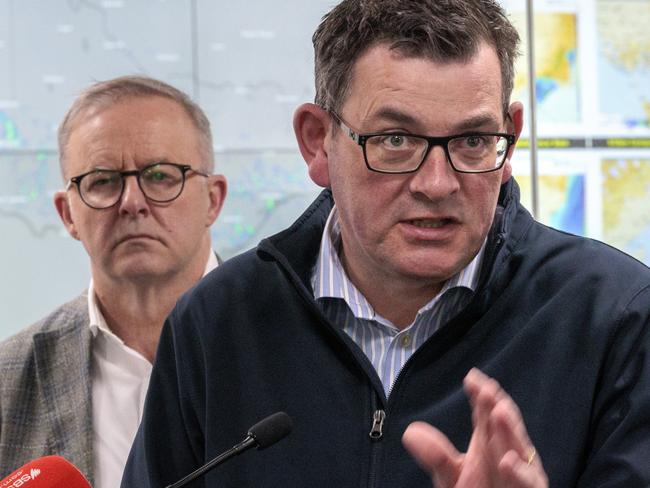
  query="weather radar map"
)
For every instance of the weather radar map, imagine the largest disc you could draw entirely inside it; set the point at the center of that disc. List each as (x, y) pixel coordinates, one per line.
(244, 66)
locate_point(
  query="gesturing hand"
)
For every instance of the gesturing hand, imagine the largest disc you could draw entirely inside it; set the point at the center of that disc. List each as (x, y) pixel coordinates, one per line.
(500, 453)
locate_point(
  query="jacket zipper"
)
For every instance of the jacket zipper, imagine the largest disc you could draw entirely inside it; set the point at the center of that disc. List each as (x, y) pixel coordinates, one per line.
(376, 432)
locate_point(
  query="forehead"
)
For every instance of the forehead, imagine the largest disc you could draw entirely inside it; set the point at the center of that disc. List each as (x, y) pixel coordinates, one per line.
(434, 95)
(132, 131)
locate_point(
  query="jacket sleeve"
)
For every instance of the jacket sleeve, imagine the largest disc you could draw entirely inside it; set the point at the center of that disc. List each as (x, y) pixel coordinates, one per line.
(620, 444)
(169, 442)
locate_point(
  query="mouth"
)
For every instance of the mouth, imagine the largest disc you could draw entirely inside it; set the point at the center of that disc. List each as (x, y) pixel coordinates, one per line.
(430, 229)
(134, 237)
(430, 223)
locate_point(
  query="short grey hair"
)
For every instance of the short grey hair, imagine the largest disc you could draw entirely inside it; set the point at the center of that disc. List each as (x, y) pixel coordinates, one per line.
(103, 94)
(441, 30)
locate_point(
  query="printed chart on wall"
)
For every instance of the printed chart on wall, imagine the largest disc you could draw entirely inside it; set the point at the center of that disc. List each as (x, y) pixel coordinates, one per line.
(593, 119)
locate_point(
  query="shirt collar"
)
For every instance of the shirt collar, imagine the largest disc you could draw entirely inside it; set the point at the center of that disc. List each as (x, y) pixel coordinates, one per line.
(329, 279)
(97, 321)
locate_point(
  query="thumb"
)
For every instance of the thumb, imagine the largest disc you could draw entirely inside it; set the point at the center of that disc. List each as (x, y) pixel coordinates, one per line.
(434, 453)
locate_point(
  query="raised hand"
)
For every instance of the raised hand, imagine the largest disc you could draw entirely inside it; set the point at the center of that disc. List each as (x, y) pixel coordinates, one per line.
(500, 453)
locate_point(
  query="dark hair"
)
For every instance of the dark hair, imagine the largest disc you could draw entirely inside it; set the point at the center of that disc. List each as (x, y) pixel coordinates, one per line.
(441, 30)
(106, 93)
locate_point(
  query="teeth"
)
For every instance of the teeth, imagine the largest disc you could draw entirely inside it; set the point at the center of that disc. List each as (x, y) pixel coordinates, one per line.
(428, 224)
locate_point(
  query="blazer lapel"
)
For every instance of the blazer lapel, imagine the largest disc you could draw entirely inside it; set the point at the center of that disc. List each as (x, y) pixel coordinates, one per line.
(62, 358)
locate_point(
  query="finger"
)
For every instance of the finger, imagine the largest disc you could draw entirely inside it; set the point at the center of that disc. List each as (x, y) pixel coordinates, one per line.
(479, 386)
(492, 402)
(508, 430)
(434, 452)
(516, 473)
(519, 465)
(483, 393)
(472, 383)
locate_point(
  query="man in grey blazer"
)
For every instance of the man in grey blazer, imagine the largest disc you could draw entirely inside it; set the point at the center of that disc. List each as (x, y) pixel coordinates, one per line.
(136, 155)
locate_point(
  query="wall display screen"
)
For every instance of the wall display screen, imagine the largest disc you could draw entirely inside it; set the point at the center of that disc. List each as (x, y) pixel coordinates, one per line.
(249, 68)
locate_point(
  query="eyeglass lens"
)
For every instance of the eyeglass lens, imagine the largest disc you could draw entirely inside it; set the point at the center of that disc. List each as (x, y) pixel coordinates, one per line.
(103, 188)
(401, 152)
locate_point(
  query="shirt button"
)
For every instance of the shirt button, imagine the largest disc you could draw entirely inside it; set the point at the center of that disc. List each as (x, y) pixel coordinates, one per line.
(405, 340)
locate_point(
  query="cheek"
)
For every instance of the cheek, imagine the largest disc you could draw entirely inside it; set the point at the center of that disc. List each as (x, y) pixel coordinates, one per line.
(93, 227)
(369, 197)
(364, 199)
(86, 226)
(482, 200)
(180, 225)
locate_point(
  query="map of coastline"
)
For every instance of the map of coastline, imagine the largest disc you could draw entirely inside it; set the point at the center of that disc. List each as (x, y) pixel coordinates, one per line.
(626, 201)
(624, 61)
(562, 203)
(556, 81)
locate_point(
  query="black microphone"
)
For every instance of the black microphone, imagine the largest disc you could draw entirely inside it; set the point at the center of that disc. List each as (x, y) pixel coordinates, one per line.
(261, 435)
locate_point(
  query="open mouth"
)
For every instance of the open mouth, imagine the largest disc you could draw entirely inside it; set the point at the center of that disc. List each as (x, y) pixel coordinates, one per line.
(430, 224)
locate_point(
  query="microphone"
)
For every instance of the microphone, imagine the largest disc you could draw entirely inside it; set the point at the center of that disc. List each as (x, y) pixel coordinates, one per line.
(263, 434)
(46, 472)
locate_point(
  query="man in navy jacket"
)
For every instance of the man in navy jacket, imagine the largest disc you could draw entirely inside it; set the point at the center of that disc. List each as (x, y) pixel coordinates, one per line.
(415, 288)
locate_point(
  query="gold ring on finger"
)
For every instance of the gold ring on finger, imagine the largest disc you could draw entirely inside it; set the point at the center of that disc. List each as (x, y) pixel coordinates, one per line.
(531, 456)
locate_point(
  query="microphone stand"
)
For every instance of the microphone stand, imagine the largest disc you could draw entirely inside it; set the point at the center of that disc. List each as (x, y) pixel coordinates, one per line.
(244, 445)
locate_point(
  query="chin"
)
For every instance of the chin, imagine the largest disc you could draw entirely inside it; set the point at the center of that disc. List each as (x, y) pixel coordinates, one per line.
(139, 270)
(431, 268)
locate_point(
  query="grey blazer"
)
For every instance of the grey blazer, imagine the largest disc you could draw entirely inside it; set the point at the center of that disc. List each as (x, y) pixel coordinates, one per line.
(45, 391)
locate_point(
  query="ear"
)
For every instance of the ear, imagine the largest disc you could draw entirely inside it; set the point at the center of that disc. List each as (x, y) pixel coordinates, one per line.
(311, 124)
(217, 190)
(62, 205)
(514, 124)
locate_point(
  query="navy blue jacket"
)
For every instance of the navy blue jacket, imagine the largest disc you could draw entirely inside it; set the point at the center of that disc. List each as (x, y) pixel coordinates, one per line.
(562, 322)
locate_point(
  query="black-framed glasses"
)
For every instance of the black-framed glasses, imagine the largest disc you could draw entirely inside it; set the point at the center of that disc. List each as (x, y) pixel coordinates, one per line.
(159, 182)
(398, 152)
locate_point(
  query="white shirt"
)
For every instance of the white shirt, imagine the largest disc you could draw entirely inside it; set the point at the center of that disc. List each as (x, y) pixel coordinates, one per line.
(120, 377)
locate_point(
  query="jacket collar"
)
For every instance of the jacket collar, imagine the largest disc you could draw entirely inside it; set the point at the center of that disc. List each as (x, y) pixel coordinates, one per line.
(288, 247)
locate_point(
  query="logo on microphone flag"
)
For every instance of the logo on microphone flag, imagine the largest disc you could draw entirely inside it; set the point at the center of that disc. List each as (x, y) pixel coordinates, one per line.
(20, 478)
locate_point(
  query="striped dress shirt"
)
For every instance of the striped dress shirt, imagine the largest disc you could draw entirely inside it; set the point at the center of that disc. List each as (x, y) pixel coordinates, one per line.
(387, 348)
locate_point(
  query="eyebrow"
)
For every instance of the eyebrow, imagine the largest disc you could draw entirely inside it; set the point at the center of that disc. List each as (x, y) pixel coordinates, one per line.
(473, 123)
(393, 115)
(477, 121)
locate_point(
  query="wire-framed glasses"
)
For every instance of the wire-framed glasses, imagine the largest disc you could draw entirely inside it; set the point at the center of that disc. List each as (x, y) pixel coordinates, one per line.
(159, 182)
(398, 152)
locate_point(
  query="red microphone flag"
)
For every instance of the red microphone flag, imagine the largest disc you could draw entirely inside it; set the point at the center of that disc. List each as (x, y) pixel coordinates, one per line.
(46, 472)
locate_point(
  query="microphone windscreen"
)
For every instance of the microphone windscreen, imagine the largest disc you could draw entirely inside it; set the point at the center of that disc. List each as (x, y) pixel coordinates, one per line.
(46, 472)
(270, 430)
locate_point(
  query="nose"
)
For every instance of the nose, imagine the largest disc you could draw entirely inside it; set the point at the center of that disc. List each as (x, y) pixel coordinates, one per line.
(435, 179)
(133, 201)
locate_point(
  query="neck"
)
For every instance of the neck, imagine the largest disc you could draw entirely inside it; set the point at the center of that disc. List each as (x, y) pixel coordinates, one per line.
(397, 300)
(135, 311)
